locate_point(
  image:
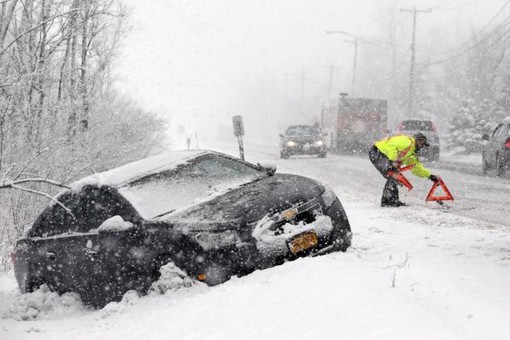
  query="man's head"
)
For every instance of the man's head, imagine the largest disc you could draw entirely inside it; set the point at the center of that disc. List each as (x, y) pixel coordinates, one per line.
(420, 140)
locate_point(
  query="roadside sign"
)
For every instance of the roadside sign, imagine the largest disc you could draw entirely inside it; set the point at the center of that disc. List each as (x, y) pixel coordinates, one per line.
(239, 133)
(238, 125)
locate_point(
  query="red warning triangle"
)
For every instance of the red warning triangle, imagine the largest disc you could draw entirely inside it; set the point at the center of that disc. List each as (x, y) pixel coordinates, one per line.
(444, 195)
(401, 179)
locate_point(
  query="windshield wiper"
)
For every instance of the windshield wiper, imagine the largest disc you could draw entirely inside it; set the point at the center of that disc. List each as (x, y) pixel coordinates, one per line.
(166, 212)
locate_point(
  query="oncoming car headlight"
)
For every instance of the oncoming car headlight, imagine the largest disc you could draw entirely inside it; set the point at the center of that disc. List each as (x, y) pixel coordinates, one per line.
(291, 143)
(210, 241)
(328, 196)
(319, 143)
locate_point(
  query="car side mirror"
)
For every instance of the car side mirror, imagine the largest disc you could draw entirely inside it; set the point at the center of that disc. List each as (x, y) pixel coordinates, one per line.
(268, 168)
(485, 137)
(281, 135)
(115, 224)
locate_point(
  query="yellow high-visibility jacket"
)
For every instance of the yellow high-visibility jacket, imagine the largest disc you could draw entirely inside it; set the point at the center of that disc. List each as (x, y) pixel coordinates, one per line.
(400, 149)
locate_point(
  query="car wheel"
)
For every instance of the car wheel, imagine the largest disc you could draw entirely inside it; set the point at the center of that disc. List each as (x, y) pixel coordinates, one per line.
(33, 283)
(215, 274)
(284, 155)
(500, 166)
(485, 166)
(323, 155)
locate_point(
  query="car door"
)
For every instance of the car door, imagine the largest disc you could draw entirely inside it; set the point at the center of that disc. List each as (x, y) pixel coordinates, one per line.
(501, 138)
(492, 147)
(116, 256)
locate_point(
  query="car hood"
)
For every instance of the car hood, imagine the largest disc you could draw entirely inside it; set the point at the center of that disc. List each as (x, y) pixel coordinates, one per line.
(246, 204)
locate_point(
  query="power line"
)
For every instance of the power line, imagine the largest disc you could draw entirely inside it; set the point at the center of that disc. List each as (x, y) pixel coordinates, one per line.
(458, 7)
(443, 4)
(488, 36)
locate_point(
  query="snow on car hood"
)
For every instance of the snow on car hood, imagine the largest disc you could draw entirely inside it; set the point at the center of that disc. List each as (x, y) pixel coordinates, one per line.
(247, 204)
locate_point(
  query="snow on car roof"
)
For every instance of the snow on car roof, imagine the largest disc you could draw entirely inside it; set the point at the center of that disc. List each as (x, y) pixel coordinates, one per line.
(131, 171)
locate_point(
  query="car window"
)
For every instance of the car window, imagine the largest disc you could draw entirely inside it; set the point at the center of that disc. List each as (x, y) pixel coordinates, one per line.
(417, 125)
(188, 184)
(302, 130)
(496, 131)
(505, 133)
(89, 208)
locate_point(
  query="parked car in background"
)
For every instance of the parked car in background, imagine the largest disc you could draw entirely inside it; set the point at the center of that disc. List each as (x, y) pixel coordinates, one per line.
(496, 152)
(209, 214)
(428, 128)
(302, 140)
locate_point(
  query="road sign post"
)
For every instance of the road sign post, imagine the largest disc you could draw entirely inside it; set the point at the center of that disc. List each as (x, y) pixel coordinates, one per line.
(237, 122)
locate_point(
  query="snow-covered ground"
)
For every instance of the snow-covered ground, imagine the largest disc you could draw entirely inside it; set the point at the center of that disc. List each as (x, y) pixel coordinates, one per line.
(417, 272)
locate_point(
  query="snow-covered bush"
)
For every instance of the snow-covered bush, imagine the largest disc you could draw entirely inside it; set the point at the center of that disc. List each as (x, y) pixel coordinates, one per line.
(469, 122)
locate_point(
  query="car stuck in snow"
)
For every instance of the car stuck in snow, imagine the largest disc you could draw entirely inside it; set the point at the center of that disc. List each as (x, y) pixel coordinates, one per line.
(212, 215)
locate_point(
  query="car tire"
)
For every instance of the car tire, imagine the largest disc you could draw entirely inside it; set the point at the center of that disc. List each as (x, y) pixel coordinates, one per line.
(485, 166)
(500, 166)
(284, 155)
(33, 283)
(323, 155)
(216, 274)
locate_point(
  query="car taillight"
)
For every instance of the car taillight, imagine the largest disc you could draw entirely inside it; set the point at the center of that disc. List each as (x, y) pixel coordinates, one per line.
(507, 143)
(13, 257)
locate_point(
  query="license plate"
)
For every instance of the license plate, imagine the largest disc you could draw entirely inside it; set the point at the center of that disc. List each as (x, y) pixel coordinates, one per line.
(303, 242)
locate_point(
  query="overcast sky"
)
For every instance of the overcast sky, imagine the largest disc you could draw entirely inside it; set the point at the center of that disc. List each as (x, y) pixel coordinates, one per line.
(200, 62)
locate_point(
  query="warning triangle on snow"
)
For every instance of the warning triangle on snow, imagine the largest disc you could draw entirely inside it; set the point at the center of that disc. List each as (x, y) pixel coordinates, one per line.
(439, 192)
(401, 179)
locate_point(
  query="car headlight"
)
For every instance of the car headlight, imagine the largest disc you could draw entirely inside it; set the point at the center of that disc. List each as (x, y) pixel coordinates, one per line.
(291, 143)
(328, 196)
(319, 143)
(210, 241)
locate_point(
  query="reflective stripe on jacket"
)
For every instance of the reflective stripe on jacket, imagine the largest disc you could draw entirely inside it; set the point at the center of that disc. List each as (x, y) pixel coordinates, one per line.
(401, 148)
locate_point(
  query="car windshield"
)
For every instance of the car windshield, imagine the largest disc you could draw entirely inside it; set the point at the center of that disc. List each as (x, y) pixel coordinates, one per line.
(198, 180)
(417, 125)
(302, 130)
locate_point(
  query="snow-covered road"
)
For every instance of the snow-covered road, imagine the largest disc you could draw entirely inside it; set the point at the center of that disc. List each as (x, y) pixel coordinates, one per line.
(417, 272)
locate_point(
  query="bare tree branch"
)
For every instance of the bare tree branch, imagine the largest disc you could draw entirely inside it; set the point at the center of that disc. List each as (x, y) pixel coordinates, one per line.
(7, 184)
(21, 35)
(7, 172)
(42, 194)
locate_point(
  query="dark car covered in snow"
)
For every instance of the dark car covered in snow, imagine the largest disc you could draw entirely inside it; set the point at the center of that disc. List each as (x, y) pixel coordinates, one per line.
(496, 151)
(211, 215)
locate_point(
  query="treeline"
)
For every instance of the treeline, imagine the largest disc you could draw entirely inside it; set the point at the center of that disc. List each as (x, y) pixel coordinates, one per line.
(478, 82)
(60, 118)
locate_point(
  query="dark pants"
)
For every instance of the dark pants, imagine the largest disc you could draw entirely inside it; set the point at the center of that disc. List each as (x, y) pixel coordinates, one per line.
(383, 165)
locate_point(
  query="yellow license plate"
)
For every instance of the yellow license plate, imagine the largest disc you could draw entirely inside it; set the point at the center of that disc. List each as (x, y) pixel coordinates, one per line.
(303, 242)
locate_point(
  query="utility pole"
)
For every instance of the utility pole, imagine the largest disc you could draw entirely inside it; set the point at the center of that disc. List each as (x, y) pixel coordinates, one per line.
(302, 89)
(330, 85)
(415, 12)
(355, 42)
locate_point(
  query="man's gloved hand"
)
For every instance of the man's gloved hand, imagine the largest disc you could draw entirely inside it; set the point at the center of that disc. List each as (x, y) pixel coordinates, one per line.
(434, 178)
(395, 166)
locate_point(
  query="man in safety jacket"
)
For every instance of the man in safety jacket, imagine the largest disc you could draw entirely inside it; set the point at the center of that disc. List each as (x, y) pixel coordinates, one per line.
(389, 154)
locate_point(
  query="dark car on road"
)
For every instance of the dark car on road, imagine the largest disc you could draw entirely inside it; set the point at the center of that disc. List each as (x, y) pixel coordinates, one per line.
(302, 140)
(496, 152)
(428, 128)
(212, 215)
